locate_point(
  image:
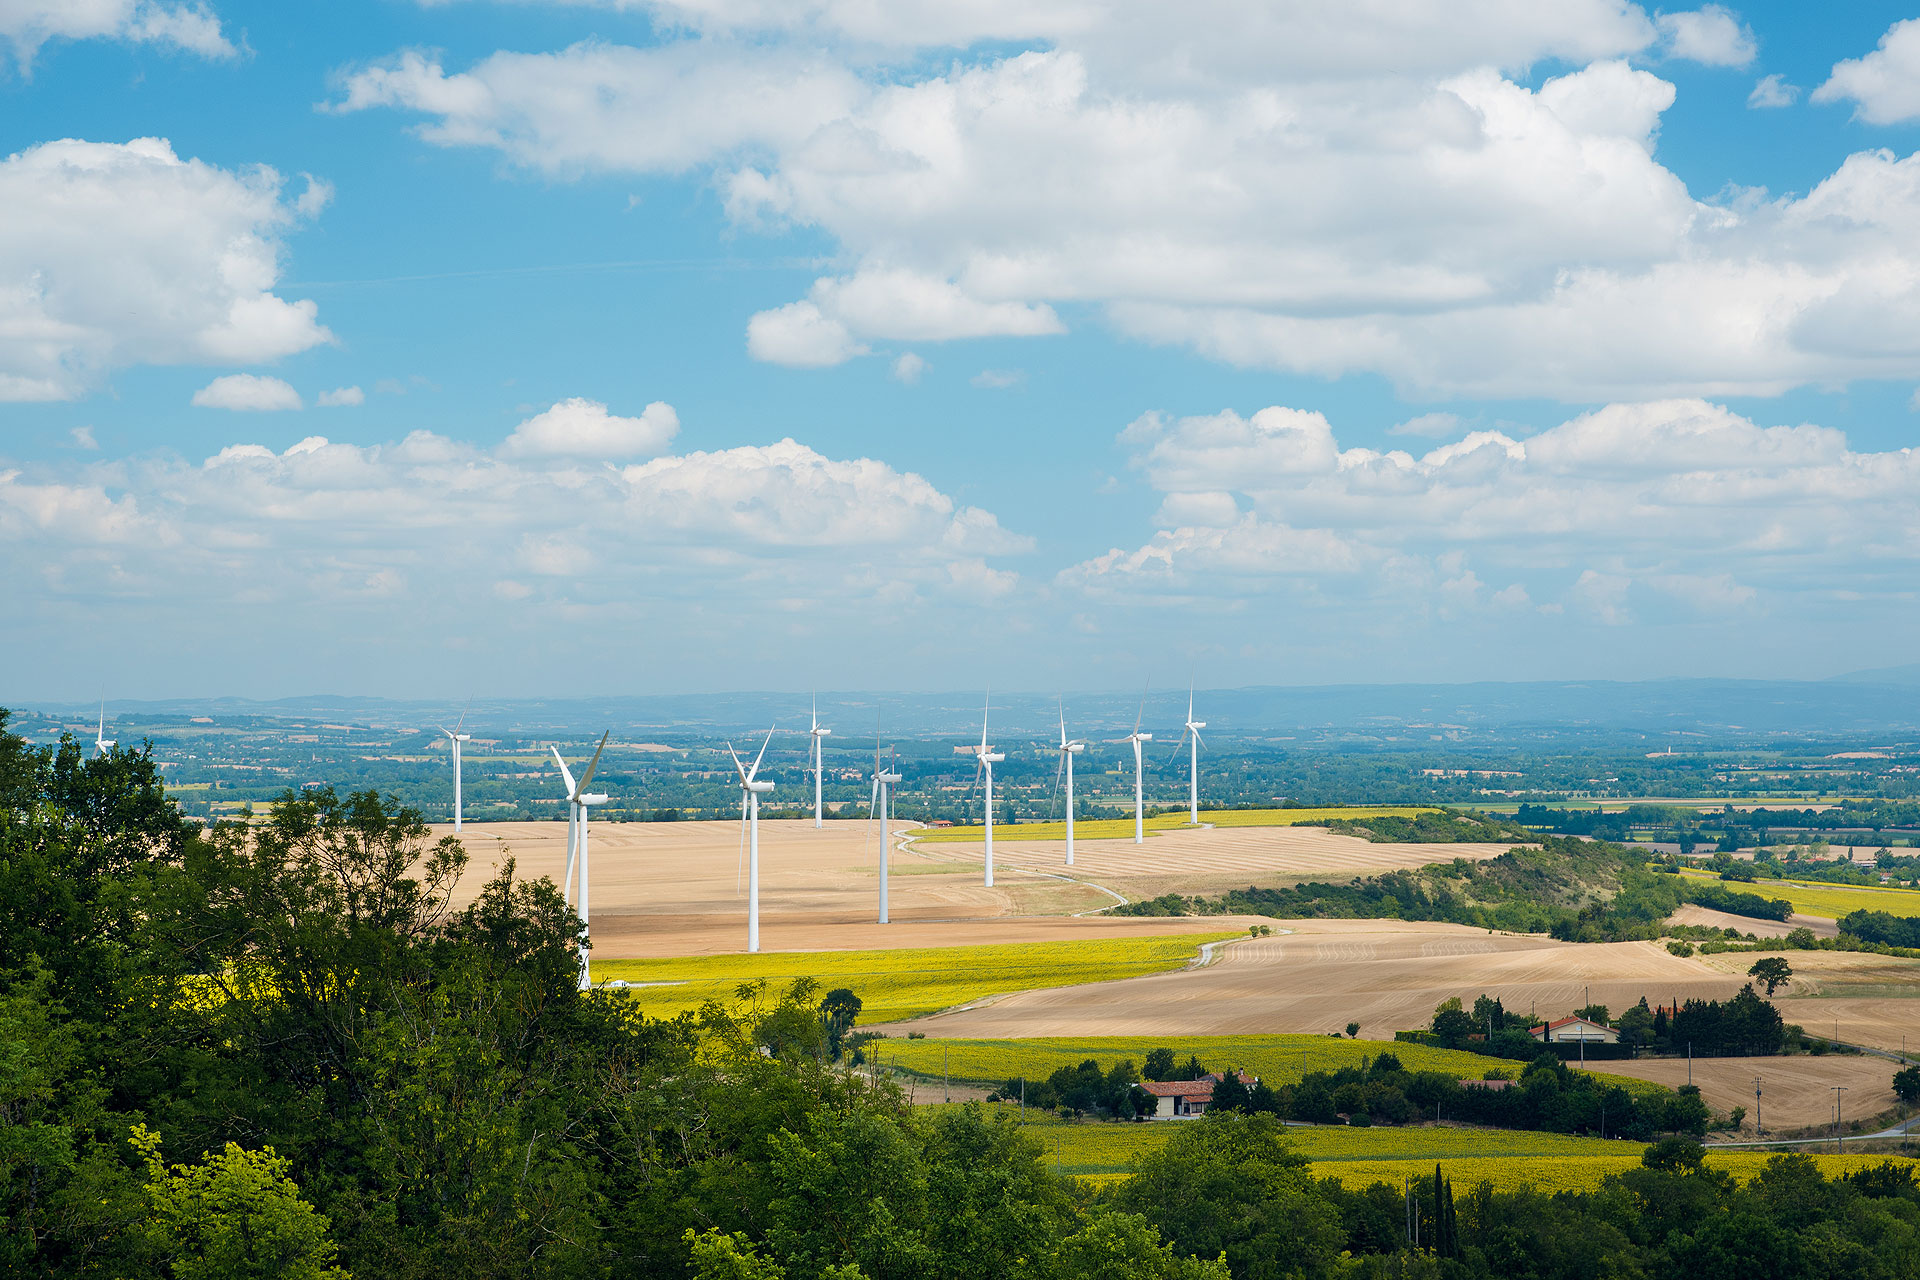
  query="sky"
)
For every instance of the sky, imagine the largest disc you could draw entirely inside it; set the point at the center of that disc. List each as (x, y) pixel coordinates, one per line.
(438, 347)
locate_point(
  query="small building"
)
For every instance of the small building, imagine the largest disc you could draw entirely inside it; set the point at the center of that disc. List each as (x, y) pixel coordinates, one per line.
(1178, 1098)
(1574, 1031)
(1495, 1085)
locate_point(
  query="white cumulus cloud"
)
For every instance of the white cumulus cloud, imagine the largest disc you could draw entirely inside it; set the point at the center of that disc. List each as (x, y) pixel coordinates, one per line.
(1884, 85)
(1280, 186)
(1771, 92)
(1683, 496)
(579, 428)
(28, 24)
(115, 254)
(247, 391)
(1712, 35)
(341, 396)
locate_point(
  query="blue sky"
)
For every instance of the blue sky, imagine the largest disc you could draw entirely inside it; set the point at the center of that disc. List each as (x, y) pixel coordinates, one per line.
(442, 347)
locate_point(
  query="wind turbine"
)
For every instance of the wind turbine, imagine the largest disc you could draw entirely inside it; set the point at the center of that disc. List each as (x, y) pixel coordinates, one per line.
(101, 742)
(1193, 761)
(578, 802)
(1139, 775)
(988, 758)
(750, 792)
(883, 780)
(1068, 750)
(456, 737)
(817, 734)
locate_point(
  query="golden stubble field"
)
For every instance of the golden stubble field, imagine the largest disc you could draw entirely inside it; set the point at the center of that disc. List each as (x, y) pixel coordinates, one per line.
(675, 888)
(1387, 975)
(1796, 1092)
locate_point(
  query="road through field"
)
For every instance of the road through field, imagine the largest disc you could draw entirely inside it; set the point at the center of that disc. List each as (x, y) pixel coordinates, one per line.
(1387, 975)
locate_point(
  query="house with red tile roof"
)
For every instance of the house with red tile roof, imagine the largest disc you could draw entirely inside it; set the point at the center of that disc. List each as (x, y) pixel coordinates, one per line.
(1573, 1031)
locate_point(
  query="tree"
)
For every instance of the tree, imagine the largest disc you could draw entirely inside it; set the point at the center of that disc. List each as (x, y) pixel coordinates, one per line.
(1906, 1085)
(235, 1215)
(1353, 1031)
(1231, 1184)
(1125, 1246)
(1675, 1154)
(1159, 1064)
(1451, 1023)
(837, 1013)
(1231, 1094)
(1772, 971)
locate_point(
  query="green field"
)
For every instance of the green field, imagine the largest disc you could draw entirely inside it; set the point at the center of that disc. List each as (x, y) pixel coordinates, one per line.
(1122, 828)
(908, 982)
(1277, 1059)
(1828, 901)
(1507, 1158)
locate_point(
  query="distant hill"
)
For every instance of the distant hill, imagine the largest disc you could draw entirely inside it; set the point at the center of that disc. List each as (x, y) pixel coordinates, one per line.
(1907, 675)
(1558, 713)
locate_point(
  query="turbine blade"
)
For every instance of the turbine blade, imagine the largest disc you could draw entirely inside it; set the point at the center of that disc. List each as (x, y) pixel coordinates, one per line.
(462, 721)
(1142, 713)
(566, 774)
(1063, 721)
(1059, 772)
(739, 767)
(595, 762)
(984, 710)
(754, 772)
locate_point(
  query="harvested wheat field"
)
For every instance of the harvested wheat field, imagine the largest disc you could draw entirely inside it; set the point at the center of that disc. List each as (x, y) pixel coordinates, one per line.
(1855, 996)
(1387, 975)
(1212, 859)
(669, 889)
(1797, 1092)
(1821, 926)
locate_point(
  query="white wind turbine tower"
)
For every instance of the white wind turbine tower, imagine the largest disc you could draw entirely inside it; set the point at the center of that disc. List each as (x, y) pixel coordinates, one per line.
(1193, 761)
(456, 737)
(883, 780)
(750, 792)
(578, 802)
(1068, 750)
(101, 742)
(988, 758)
(817, 734)
(1139, 776)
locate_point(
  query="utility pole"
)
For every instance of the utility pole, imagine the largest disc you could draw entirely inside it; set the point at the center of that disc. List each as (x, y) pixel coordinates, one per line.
(1839, 1139)
(946, 1081)
(1689, 1062)
(1759, 1122)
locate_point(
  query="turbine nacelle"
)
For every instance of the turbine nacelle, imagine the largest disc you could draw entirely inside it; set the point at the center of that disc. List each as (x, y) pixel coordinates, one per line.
(888, 778)
(818, 732)
(1074, 747)
(759, 788)
(598, 797)
(993, 757)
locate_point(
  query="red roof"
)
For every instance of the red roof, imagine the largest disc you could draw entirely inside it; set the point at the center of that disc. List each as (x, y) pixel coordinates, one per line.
(1178, 1088)
(1201, 1088)
(1555, 1026)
